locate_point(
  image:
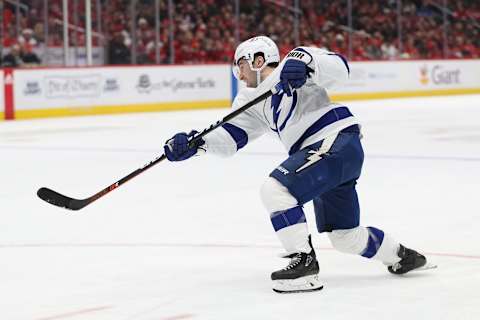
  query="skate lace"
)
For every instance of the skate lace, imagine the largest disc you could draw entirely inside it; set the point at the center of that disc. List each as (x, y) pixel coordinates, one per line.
(294, 261)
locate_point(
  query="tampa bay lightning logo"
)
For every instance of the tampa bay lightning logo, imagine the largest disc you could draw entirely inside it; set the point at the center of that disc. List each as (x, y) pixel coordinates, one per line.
(282, 112)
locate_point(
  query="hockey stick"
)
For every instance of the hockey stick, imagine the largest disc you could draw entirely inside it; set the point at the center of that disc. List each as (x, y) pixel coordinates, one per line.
(60, 200)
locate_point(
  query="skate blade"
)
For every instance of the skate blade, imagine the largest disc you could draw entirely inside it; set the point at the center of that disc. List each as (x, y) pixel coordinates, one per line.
(303, 284)
(427, 266)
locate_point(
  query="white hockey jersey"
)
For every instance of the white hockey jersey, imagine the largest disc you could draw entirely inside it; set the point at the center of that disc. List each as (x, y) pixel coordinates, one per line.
(304, 118)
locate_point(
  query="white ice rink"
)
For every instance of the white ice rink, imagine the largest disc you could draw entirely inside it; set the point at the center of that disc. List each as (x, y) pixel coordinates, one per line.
(191, 240)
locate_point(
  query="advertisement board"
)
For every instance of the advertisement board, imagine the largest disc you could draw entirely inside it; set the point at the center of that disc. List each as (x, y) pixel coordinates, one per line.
(121, 88)
(410, 77)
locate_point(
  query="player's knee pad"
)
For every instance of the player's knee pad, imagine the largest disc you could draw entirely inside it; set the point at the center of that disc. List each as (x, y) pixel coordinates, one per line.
(276, 197)
(351, 241)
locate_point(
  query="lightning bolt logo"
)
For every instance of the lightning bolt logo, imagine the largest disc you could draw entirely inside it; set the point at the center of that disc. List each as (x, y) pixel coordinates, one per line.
(314, 157)
(277, 110)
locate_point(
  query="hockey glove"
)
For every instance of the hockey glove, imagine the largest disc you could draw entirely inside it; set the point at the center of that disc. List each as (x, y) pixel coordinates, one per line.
(177, 148)
(294, 74)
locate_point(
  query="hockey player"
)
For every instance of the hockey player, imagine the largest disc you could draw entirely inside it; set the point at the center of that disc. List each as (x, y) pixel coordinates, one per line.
(325, 158)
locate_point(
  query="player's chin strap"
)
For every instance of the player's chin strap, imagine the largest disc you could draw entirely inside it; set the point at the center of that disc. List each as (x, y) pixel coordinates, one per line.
(258, 71)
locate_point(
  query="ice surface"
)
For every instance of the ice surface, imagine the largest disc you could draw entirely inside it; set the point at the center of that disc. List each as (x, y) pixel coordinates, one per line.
(191, 240)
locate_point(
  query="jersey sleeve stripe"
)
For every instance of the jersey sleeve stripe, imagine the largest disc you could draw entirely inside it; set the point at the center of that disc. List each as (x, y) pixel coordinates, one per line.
(343, 59)
(238, 134)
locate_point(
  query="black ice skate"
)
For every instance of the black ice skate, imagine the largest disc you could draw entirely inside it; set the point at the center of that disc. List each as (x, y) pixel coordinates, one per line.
(300, 275)
(410, 260)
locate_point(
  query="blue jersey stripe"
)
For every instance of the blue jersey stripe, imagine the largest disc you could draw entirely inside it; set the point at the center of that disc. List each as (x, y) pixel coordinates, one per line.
(294, 104)
(343, 59)
(238, 134)
(325, 120)
(276, 100)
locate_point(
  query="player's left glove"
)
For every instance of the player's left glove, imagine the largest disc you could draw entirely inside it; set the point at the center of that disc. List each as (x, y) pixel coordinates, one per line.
(178, 147)
(294, 74)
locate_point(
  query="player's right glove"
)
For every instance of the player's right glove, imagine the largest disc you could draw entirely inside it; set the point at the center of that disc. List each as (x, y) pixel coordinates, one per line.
(178, 149)
(294, 74)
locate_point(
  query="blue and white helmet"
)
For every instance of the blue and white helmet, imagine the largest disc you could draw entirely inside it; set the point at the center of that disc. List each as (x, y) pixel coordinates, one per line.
(248, 48)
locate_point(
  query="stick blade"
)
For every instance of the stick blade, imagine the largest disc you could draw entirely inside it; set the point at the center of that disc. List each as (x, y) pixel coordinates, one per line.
(59, 200)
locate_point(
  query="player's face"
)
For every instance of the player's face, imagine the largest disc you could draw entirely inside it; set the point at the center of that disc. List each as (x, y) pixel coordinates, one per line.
(246, 74)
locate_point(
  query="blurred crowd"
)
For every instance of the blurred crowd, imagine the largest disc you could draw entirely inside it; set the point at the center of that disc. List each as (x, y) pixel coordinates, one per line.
(205, 31)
